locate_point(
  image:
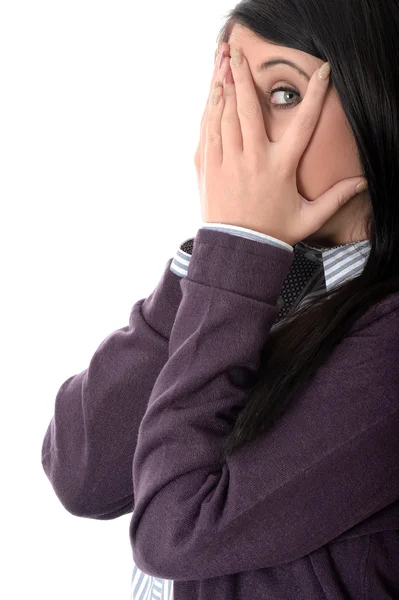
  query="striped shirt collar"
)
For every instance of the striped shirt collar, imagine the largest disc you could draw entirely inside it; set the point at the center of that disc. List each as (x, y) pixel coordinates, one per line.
(340, 262)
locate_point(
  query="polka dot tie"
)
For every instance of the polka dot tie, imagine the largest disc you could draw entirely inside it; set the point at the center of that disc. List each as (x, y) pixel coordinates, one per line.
(301, 272)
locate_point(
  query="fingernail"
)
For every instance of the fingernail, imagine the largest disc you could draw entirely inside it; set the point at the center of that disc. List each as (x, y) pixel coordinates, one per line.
(324, 71)
(362, 187)
(236, 57)
(216, 95)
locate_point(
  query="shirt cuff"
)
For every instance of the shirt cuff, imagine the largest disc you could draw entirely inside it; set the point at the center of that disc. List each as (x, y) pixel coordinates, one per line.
(181, 260)
(248, 233)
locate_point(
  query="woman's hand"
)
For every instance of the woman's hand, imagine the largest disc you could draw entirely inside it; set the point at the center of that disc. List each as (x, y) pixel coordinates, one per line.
(246, 180)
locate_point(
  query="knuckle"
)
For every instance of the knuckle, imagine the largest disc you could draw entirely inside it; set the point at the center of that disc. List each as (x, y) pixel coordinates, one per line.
(250, 109)
(341, 199)
(258, 161)
(307, 121)
(228, 90)
(283, 169)
(213, 137)
(231, 118)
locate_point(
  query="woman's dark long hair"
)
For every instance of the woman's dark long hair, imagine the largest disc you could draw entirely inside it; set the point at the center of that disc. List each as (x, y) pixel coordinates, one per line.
(360, 39)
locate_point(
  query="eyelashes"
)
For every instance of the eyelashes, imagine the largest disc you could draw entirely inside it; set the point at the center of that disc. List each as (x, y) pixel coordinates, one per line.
(283, 89)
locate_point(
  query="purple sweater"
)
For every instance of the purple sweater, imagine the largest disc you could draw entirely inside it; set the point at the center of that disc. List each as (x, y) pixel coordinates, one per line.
(310, 511)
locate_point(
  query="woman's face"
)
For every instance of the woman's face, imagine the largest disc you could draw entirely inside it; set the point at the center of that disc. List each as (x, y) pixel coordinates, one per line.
(331, 154)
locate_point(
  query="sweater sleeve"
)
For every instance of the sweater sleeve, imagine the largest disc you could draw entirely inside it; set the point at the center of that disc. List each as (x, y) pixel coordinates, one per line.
(330, 462)
(181, 260)
(88, 448)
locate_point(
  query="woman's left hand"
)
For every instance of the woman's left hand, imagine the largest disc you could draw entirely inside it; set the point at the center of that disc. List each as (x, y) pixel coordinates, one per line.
(248, 181)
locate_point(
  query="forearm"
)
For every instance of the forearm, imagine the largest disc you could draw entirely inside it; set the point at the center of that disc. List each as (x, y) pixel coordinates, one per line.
(89, 445)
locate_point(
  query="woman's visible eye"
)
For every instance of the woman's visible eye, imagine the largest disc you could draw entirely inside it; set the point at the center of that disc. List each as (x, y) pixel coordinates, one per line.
(284, 92)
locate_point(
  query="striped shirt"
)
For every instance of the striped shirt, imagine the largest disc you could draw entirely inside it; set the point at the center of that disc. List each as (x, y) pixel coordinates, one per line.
(314, 270)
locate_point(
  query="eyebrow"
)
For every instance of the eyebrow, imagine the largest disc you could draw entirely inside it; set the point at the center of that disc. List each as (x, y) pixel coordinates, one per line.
(275, 61)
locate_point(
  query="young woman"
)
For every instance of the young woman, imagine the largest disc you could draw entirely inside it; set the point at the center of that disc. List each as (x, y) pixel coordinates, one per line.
(248, 415)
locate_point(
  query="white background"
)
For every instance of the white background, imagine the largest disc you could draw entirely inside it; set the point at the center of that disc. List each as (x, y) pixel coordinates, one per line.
(100, 111)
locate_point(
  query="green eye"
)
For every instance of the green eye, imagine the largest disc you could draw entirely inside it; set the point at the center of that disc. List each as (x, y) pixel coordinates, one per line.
(287, 90)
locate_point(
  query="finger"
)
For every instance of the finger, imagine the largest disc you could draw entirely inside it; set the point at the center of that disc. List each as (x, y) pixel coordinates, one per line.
(224, 49)
(231, 128)
(218, 78)
(299, 132)
(249, 110)
(213, 140)
(323, 208)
